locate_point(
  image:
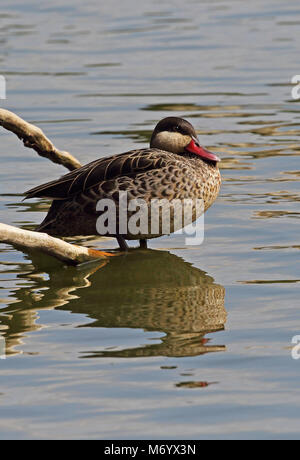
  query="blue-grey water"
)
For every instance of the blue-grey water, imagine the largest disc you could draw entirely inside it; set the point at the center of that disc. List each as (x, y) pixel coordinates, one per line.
(183, 342)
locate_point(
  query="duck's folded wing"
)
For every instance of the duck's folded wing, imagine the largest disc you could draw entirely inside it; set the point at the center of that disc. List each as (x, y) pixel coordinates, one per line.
(126, 164)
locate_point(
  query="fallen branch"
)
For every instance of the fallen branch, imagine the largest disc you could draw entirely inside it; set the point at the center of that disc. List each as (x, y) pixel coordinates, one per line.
(66, 252)
(34, 138)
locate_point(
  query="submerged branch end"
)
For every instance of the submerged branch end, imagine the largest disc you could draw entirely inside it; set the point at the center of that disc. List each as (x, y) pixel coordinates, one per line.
(70, 254)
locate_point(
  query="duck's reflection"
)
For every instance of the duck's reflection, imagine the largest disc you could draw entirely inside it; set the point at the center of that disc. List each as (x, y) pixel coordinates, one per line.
(150, 290)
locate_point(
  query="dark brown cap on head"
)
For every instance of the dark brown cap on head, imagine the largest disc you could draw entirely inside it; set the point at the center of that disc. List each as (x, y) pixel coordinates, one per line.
(175, 124)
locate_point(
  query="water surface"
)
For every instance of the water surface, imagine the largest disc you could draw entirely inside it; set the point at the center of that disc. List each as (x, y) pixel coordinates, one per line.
(176, 342)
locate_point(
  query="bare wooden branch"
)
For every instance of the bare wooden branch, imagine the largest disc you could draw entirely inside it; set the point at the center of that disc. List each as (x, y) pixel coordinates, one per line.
(34, 138)
(66, 252)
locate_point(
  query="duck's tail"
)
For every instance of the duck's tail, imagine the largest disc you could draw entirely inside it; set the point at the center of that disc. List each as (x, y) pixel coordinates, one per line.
(49, 223)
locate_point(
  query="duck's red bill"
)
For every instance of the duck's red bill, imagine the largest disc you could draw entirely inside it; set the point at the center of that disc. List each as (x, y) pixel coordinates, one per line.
(193, 147)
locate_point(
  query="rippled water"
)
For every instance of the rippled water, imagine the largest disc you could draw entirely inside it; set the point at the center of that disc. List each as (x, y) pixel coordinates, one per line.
(186, 342)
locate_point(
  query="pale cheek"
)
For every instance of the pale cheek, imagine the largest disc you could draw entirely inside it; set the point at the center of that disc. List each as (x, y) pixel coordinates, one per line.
(171, 142)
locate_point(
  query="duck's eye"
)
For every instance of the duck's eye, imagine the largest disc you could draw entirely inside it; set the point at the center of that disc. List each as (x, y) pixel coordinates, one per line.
(176, 128)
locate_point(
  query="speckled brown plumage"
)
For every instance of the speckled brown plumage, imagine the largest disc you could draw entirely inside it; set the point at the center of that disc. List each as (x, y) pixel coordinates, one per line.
(145, 173)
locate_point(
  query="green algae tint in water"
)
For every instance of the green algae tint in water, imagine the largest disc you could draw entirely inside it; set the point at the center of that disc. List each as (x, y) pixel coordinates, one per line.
(182, 342)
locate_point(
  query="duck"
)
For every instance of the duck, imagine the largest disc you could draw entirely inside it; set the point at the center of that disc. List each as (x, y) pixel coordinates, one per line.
(174, 167)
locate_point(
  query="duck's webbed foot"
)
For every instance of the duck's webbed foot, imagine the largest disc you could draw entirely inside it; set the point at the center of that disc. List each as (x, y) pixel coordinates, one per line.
(122, 243)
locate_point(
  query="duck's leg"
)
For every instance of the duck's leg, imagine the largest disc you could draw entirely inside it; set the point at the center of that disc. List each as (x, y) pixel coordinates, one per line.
(122, 243)
(143, 244)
